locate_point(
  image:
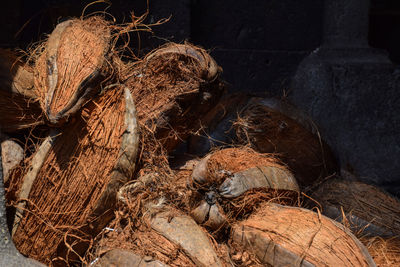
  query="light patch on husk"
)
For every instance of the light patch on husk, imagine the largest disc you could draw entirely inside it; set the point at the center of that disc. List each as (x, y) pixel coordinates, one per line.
(282, 236)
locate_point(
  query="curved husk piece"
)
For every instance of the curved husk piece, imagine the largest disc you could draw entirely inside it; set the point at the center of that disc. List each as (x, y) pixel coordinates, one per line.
(172, 87)
(163, 233)
(209, 70)
(183, 231)
(11, 155)
(259, 177)
(79, 179)
(70, 69)
(271, 126)
(216, 167)
(19, 109)
(208, 215)
(366, 207)
(289, 236)
(124, 258)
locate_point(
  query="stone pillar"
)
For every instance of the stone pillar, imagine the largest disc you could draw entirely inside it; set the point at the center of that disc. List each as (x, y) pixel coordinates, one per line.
(350, 90)
(346, 23)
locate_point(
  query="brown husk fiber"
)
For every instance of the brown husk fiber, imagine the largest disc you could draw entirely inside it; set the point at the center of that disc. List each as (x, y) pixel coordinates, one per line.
(73, 177)
(311, 236)
(18, 107)
(142, 240)
(168, 89)
(384, 251)
(269, 130)
(364, 201)
(237, 159)
(82, 49)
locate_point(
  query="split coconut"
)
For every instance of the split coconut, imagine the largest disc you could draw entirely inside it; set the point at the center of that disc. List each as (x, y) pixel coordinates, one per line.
(290, 236)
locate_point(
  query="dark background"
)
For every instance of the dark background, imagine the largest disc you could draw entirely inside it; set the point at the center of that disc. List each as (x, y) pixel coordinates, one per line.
(258, 43)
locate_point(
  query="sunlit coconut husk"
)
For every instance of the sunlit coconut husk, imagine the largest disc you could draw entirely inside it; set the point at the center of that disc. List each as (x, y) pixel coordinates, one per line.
(384, 251)
(167, 236)
(366, 208)
(234, 181)
(68, 190)
(71, 67)
(19, 109)
(272, 126)
(172, 87)
(123, 257)
(282, 236)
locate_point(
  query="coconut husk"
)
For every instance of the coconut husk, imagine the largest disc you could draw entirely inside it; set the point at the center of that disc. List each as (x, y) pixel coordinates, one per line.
(172, 87)
(121, 258)
(271, 126)
(165, 235)
(365, 207)
(282, 236)
(216, 126)
(20, 109)
(231, 183)
(71, 67)
(69, 187)
(11, 156)
(384, 251)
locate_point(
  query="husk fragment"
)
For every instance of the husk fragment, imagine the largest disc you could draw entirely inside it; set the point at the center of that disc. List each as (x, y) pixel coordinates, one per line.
(282, 236)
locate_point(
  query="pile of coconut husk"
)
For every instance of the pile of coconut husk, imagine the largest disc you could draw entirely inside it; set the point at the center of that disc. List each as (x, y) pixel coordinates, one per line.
(137, 161)
(103, 116)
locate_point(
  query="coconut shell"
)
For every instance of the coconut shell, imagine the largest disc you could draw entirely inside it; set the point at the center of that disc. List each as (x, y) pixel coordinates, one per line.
(20, 108)
(289, 236)
(272, 126)
(70, 69)
(73, 188)
(366, 207)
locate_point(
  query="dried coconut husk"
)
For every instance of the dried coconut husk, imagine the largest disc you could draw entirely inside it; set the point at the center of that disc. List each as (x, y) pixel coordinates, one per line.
(216, 126)
(231, 183)
(18, 107)
(272, 126)
(290, 236)
(73, 191)
(172, 87)
(164, 234)
(384, 251)
(71, 67)
(366, 207)
(122, 258)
